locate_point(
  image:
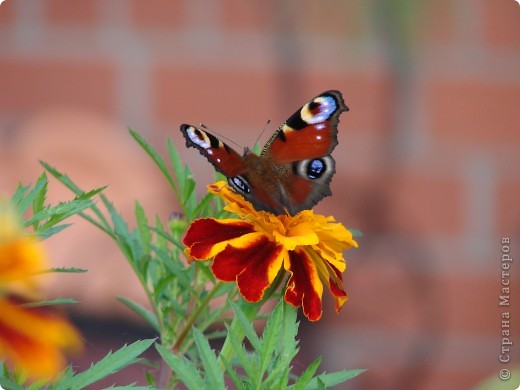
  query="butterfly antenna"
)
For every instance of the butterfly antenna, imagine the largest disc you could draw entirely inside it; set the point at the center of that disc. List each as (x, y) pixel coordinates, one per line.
(262, 132)
(221, 136)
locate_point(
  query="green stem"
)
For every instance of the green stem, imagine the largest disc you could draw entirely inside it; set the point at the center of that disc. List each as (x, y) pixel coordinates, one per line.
(195, 315)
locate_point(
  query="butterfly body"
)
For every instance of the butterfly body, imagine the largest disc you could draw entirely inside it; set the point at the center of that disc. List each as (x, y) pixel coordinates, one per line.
(295, 168)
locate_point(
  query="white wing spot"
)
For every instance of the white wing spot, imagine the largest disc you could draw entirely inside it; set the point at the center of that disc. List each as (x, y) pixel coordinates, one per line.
(199, 138)
(327, 108)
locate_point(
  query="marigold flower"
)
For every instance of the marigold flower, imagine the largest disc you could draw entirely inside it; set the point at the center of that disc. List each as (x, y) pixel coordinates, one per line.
(32, 340)
(21, 255)
(253, 249)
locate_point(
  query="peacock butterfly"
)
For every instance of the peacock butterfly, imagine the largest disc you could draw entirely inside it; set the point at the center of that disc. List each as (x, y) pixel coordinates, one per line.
(295, 168)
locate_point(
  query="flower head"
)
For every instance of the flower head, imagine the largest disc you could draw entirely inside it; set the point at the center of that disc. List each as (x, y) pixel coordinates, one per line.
(32, 339)
(253, 249)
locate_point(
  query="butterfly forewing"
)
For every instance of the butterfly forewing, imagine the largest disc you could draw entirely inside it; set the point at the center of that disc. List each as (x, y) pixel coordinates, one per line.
(310, 132)
(225, 160)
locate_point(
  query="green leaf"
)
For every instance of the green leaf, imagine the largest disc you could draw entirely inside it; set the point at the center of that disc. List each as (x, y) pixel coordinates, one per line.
(39, 200)
(356, 233)
(271, 336)
(213, 375)
(90, 194)
(57, 301)
(111, 363)
(68, 270)
(307, 375)
(46, 233)
(39, 187)
(142, 226)
(242, 355)
(247, 326)
(147, 315)
(65, 180)
(332, 379)
(177, 165)
(19, 193)
(157, 159)
(185, 370)
(8, 384)
(237, 381)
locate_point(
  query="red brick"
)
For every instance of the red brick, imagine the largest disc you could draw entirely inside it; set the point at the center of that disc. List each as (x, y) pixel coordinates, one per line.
(161, 14)
(474, 112)
(389, 289)
(71, 12)
(425, 204)
(501, 24)
(367, 94)
(245, 15)
(508, 212)
(344, 20)
(436, 22)
(35, 84)
(7, 12)
(216, 97)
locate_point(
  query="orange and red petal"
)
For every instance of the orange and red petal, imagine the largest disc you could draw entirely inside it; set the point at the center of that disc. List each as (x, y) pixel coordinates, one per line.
(254, 267)
(304, 287)
(33, 339)
(336, 288)
(206, 237)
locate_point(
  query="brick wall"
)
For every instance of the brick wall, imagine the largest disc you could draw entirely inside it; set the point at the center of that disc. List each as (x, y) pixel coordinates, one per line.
(427, 161)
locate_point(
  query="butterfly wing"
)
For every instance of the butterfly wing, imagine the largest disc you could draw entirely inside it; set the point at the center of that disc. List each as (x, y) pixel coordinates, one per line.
(225, 160)
(304, 142)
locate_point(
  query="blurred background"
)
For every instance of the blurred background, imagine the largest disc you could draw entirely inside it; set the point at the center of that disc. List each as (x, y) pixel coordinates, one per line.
(427, 162)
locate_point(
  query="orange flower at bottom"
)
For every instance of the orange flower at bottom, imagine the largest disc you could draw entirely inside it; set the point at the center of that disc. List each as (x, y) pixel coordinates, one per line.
(253, 249)
(32, 339)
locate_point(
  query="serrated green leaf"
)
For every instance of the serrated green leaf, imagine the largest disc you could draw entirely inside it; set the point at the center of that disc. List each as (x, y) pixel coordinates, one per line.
(142, 226)
(132, 386)
(46, 233)
(19, 193)
(185, 370)
(58, 213)
(167, 237)
(157, 159)
(63, 178)
(39, 200)
(67, 182)
(64, 381)
(8, 384)
(176, 163)
(68, 270)
(271, 336)
(307, 375)
(332, 379)
(57, 301)
(212, 374)
(248, 328)
(90, 194)
(26, 201)
(237, 381)
(111, 363)
(147, 315)
(242, 356)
